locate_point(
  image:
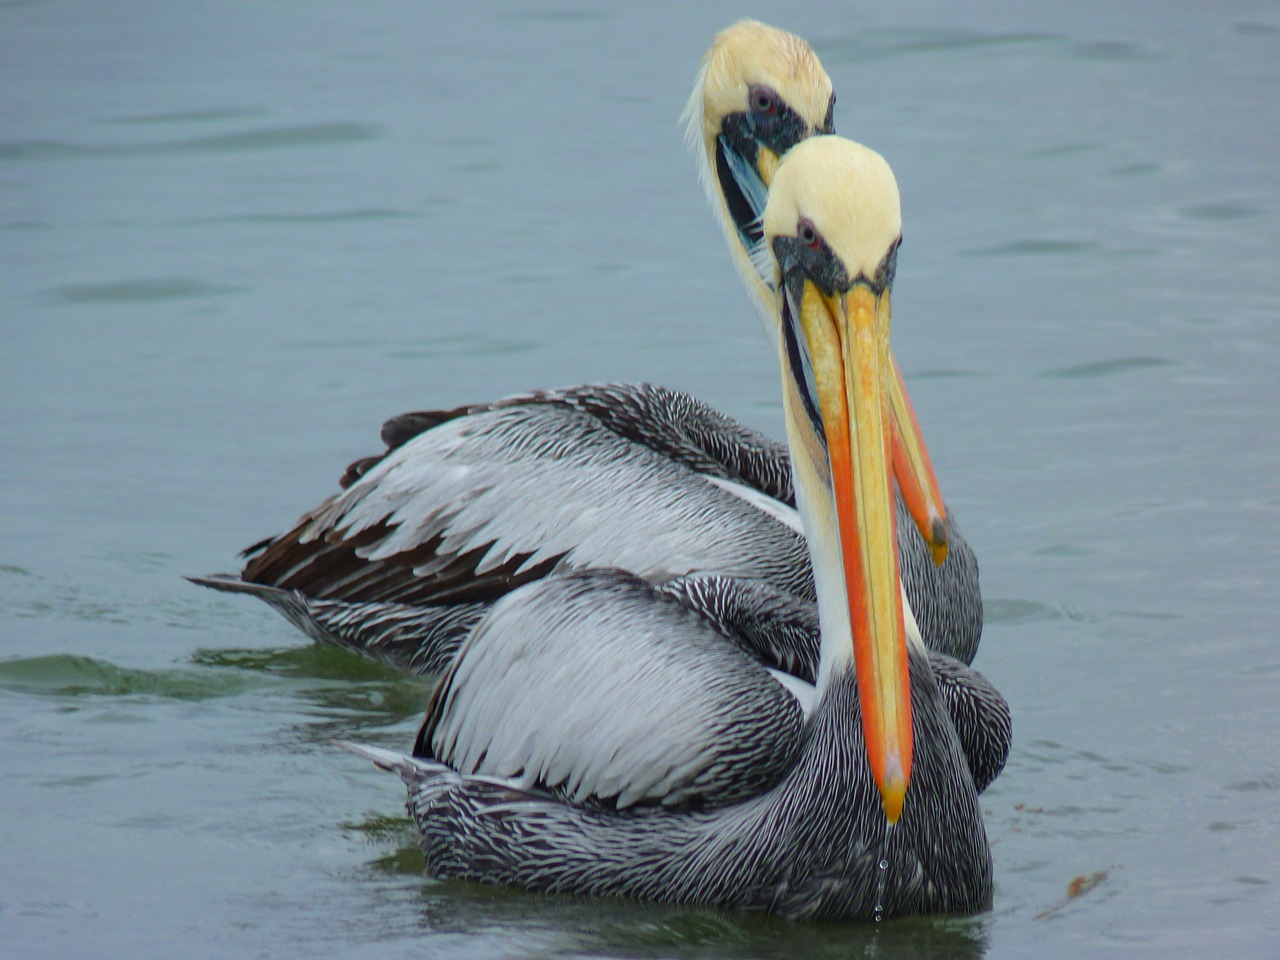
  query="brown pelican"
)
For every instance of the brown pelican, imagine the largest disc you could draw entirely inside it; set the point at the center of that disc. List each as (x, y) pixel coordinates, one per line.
(470, 503)
(595, 736)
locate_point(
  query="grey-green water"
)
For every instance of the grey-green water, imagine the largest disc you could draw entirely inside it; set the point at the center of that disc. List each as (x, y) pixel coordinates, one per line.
(236, 236)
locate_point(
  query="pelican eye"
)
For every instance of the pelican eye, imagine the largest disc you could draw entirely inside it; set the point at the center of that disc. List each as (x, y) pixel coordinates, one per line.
(808, 234)
(764, 100)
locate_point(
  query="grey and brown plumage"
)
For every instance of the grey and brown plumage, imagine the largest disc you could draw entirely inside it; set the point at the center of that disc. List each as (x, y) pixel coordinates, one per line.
(470, 503)
(596, 734)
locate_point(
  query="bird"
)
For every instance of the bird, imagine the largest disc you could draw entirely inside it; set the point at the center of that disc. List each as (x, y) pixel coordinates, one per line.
(596, 735)
(470, 503)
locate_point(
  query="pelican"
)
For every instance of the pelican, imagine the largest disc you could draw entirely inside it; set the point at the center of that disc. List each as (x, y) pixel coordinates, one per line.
(470, 503)
(595, 736)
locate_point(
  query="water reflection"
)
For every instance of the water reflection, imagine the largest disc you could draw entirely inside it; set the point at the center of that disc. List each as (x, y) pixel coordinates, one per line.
(70, 676)
(564, 925)
(338, 694)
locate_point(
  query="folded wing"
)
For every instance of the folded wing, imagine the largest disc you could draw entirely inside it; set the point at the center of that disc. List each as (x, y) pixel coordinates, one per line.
(597, 687)
(480, 504)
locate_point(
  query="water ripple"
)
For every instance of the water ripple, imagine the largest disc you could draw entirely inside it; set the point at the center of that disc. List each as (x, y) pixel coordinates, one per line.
(1015, 611)
(1034, 246)
(890, 44)
(942, 373)
(1249, 28)
(67, 675)
(214, 115)
(289, 219)
(1111, 51)
(312, 661)
(142, 290)
(1223, 210)
(1139, 169)
(1249, 786)
(562, 16)
(1106, 368)
(267, 138)
(1068, 149)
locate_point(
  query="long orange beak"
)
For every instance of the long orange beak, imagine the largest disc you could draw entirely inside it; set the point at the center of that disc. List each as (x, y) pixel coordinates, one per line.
(914, 471)
(849, 349)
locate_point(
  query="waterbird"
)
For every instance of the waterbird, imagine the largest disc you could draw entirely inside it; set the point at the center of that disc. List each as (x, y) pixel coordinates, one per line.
(596, 736)
(470, 503)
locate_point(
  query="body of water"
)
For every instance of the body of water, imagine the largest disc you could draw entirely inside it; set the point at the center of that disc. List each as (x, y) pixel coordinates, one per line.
(237, 236)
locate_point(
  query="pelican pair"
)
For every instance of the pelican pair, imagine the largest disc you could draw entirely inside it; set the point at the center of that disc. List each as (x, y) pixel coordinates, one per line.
(596, 734)
(470, 503)
(708, 743)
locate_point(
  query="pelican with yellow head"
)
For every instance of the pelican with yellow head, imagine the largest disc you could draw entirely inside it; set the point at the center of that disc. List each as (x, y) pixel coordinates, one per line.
(470, 503)
(676, 760)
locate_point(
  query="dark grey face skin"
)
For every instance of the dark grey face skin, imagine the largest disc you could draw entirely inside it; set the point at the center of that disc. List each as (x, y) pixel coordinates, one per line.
(800, 262)
(769, 122)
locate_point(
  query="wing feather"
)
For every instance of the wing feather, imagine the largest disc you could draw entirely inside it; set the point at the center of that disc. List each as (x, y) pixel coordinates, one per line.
(488, 501)
(598, 687)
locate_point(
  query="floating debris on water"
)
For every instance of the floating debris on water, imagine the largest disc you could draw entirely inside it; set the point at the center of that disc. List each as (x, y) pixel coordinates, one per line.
(1078, 887)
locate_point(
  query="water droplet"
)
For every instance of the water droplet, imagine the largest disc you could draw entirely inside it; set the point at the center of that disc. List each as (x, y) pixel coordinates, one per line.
(882, 875)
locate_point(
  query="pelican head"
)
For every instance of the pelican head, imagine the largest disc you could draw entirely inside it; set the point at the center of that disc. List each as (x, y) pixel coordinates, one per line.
(833, 224)
(760, 92)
